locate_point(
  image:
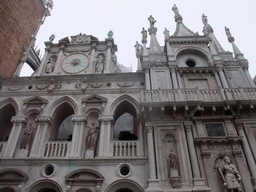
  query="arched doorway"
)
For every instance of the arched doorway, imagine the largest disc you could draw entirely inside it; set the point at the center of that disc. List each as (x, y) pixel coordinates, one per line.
(124, 190)
(47, 190)
(124, 185)
(45, 186)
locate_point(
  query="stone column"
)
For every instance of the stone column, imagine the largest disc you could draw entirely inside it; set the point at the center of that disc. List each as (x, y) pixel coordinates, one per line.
(91, 68)
(151, 152)
(40, 137)
(174, 77)
(77, 136)
(247, 151)
(59, 59)
(102, 138)
(43, 61)
(14, 138)
(248, 76)
(147, 79)
(222, 76)
(108, 58)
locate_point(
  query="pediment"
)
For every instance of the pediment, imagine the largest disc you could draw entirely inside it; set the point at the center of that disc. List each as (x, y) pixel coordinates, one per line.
(85, 176)
(94, 99)
(11, 175)
(35, 101)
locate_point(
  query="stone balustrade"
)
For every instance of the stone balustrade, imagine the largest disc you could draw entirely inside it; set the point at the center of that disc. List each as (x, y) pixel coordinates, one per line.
(57, 149)
(125, 148)
(213, 95)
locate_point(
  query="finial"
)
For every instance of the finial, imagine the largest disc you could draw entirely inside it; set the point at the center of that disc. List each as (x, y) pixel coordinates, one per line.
(52, 37)
(151, 21)
(144, 36)
(230, 38)
(177, 16)
(110, 34)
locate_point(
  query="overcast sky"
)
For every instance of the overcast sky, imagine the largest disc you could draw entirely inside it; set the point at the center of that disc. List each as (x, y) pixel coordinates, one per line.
(127, 17)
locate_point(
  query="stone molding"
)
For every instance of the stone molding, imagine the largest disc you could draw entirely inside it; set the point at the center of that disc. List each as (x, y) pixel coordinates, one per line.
(105, 119)
(19, 119)
(44, 119)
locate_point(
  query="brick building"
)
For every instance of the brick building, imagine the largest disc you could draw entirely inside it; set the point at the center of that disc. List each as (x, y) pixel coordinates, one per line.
(20, 22)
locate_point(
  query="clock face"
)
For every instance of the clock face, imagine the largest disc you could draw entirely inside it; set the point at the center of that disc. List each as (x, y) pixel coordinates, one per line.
(75, 63)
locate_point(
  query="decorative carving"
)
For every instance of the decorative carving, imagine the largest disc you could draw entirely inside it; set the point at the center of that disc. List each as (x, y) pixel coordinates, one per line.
(52, 37)
(53, 85)
(41, 87)
(110, 34)
(27, 136)
(64, 40)
(84, 85)
(15, 88)
(230, 175)
(96, 85)
(188, 125)
(50, 65)
(99, 64)
(177, 16)
(125, 84)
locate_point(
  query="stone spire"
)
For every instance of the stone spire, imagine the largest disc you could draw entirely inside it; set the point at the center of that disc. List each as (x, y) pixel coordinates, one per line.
(181, 29)
(154, 45)
(208, 31)
(231, 39)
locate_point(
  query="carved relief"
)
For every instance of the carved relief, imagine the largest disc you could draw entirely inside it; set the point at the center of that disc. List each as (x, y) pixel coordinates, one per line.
(96, 85)
(53, 85)
(27, 136)
(50, 64)
(15, 88)
(125, 84)
(83, 85)
(99, 64)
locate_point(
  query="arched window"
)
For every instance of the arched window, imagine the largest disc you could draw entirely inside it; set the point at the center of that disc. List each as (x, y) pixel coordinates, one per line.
(6, 114)
(125, 122)
(62, 127)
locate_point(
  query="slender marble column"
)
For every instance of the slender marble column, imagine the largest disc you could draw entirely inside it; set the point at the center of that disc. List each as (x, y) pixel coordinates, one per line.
(147, 79)
(59, 59)
(78, 134)
(108, 58)
(13, 141)
(40, 137)
(91, 68)
(151, 152)
(174, 77)
(222, 76)
(103, 124)
(108, 135)
(192, 151)
(247, 151)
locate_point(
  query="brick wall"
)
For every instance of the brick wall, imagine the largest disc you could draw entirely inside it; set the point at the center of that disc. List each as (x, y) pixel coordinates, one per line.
(19, 19)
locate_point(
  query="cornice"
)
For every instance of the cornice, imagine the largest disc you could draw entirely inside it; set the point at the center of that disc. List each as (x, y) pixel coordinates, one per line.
(188, 39)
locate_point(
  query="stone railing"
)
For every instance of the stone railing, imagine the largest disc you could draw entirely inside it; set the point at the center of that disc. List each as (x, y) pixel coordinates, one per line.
(125, 148)
(2, 144)
(56, 149)
(213, 95)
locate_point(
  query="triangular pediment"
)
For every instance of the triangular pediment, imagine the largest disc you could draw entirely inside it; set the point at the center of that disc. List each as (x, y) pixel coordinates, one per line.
(35, 101)
(94, 99)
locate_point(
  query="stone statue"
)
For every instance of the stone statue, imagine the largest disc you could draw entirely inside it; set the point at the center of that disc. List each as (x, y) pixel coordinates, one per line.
(230, 175)
(110, 34)
(175, 10)
(166, 34)
(25, 140)
(151, 21)
(144, 35)
(173, 160)
(92, 137)
(99, 66)
(228, 32)
(49, 4)
(204, 20)
(138, 48)
(52, 37)
(50, 65)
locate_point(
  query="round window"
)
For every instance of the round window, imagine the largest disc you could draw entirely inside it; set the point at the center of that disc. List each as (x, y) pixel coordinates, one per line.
(48, 170)
(124, 170)
(190, 63)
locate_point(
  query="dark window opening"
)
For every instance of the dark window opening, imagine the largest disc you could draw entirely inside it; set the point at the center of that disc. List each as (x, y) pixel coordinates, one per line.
(190, 63)
(215, 129)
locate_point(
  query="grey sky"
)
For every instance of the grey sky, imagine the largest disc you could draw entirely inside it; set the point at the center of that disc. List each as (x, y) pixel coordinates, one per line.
(127, 17)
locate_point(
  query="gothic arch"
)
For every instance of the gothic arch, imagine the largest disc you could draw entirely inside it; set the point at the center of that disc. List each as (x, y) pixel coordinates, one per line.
(126, 184)
(66, 99)
(45, 184)
(124, 98)
(11, 101)
(198, 49)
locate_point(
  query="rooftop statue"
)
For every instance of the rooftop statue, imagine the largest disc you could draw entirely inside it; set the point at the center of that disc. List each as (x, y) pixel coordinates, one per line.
(152, 21)
(110, 34)
(52, 37)
(166, 33)
(144, 35)
(205, 20)
(175, 10)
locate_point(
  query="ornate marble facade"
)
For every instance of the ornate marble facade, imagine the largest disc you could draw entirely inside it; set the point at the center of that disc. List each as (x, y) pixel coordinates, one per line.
(191, 109)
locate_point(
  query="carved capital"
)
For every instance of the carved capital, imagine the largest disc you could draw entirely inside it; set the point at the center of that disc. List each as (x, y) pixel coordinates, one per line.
(44, 119)
(94, 46)
(188, 125)
(149, 128)
(19, 119)
(239, 124)
(76, 119)
(173, 68)
(105, 119)
(219, 68)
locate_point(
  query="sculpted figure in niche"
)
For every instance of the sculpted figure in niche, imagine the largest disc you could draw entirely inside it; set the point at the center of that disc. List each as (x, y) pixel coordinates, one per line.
(50, 65)
(92, 137)
(99, 67)
(173, 160)
(25, 140)
(230, 176)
